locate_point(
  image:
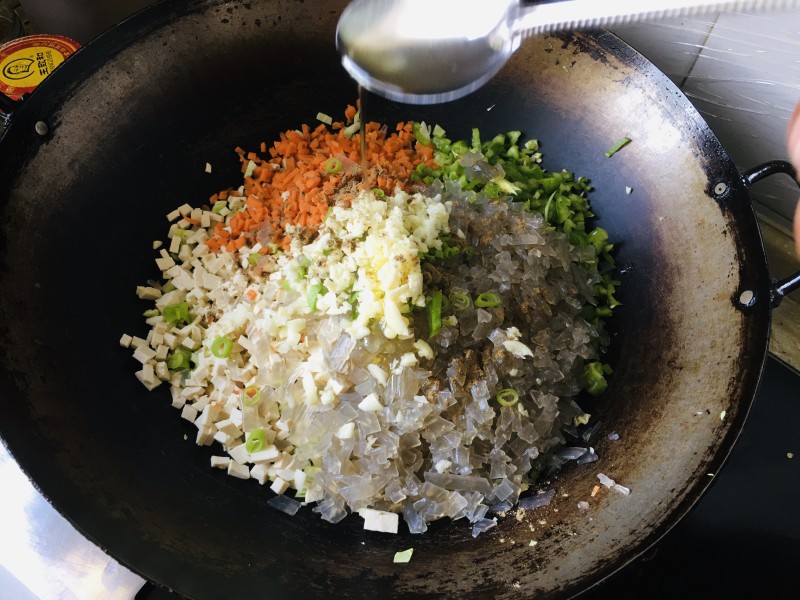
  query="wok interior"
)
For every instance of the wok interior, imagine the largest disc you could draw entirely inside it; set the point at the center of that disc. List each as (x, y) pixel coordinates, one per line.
(135, 117)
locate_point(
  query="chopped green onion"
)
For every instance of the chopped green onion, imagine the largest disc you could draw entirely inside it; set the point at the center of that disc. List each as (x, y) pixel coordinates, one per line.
(313, 295)
(404, 556)
(421, 133)
(222, 347)
(617, 147)
(596, 382)
(176, 313)
(333, 165)
(507, 397)
(252, 395)
(153, 312)
(351, 130)
(327, 119)
(488, 300)
(251, 166)
(168, 287)
(219, 206)
(253, 259)
(379, 193)
(256, 440)
(460, 302)
(286, 286)
(434, 308)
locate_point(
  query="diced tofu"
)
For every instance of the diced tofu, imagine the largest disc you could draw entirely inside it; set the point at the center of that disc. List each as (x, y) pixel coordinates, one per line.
(229, 427)
(205, 436)
(223, 438)
(144, 354)
(379, 520)
(260, 473)
(279, 486)
(238, 470)
(189, 413)
(239, 453)
(220, 462)
(268, 454)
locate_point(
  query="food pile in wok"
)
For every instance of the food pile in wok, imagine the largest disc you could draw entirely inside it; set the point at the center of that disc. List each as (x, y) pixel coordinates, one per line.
(385, 322)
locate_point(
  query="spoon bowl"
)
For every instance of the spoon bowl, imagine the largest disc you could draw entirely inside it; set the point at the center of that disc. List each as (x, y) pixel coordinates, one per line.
(425, 52)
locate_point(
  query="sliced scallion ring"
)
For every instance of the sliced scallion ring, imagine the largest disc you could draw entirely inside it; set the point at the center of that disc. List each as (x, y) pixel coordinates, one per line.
(252, 395)
(507, 397)
(333, 166)
(460, 302)
(488, 300)
(222, 347)
(256, 440)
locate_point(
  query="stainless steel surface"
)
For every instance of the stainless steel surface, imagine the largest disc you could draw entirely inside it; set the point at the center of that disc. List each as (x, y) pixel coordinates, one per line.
(423, 52)
(43, 556)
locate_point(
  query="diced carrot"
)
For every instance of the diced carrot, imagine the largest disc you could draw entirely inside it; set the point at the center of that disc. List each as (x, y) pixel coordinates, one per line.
(291, 186)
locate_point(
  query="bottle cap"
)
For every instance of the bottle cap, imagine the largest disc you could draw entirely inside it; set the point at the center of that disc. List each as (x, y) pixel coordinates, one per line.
(26, 61)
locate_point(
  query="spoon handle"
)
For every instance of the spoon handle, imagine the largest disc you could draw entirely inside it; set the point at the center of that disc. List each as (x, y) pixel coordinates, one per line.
(549, 16)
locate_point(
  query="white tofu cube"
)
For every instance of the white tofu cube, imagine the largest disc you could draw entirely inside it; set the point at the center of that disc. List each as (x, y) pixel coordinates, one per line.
(220, 462)
(379, 520)
(268, 454)
(229, 427)
(260, 473)
(189, 413)
(239, 454)
(205, 436)
(279, 486)
(238, 470)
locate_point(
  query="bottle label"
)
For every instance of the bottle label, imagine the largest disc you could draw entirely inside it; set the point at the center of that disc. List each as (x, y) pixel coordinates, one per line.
(27, 61)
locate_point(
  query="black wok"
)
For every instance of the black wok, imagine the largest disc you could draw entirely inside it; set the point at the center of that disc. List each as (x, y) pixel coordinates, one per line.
(125, 128)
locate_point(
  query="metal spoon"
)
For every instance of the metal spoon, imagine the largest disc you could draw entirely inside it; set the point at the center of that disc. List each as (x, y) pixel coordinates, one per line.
(430, 51)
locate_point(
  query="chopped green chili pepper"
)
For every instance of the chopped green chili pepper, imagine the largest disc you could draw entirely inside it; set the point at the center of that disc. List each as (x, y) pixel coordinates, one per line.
(176, 313)
(333, 165)
(313, 295)
(421, 133)
(617, 147)
(434, 308)
(256, 440)
(488, 300)
(460, 302)
(596, 382)
(252, 395)
(507, 397)
(179, 359)
(222, 347)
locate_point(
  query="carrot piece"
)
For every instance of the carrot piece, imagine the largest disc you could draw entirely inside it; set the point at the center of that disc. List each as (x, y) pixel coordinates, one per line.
(292, 187)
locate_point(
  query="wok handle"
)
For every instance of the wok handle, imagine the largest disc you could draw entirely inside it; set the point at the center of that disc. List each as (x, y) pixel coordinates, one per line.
(779, 289)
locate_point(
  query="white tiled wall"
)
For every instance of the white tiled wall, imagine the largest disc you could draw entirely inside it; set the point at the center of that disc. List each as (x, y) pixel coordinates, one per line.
(742, 72)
